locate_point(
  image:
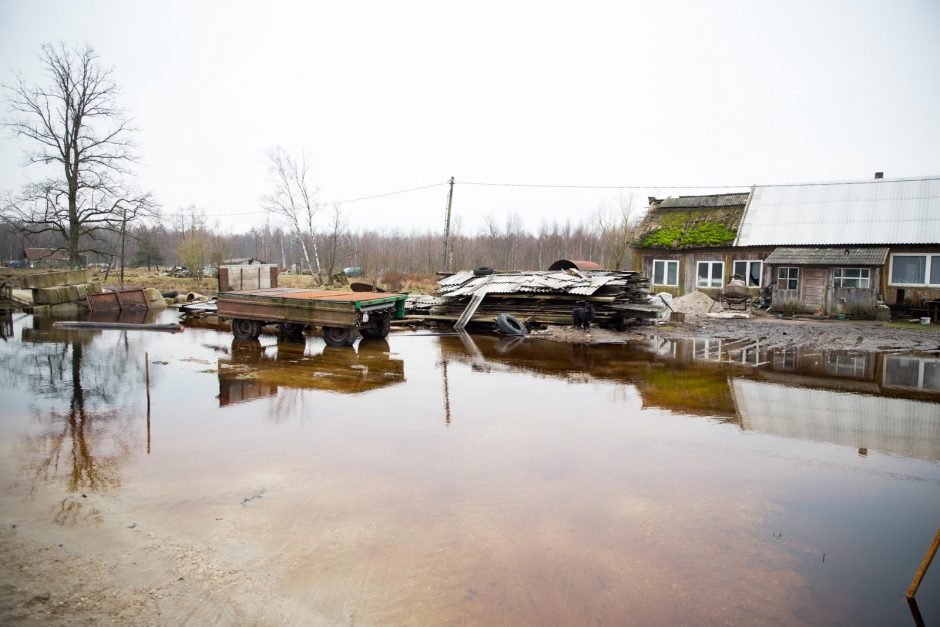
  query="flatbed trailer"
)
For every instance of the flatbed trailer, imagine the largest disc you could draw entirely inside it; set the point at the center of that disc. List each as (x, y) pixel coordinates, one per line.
(342, 315)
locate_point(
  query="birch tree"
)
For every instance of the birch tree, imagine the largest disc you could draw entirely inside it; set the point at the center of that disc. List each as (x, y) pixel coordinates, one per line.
(294, 198)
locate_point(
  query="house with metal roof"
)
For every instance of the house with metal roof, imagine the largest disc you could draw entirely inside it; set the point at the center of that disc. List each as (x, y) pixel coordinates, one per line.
(842, 247)
(686, 243)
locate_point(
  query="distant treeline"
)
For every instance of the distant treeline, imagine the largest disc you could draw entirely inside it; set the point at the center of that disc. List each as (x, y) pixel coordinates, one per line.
(187, 240)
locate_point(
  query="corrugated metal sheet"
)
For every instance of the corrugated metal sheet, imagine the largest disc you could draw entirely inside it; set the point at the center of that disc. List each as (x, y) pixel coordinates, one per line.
(836, 256)
(885, 211)
(710, 201)
(457, 279)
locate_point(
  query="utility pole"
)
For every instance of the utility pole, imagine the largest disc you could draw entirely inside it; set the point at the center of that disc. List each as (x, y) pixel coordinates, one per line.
(450, 200)
(123, 231)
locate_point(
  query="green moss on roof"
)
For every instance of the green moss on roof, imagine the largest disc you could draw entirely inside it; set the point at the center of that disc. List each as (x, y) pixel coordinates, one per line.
(675, 229)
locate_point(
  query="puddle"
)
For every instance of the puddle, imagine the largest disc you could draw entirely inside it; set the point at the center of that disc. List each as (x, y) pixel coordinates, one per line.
(479, 479)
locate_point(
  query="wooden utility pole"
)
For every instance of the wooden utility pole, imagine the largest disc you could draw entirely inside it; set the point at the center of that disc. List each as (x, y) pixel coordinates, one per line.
(450, 200)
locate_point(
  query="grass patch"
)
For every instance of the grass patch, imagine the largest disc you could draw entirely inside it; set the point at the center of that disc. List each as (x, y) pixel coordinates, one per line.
(914, 326)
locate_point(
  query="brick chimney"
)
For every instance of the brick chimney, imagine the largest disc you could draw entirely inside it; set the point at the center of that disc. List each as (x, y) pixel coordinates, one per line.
(879, 175)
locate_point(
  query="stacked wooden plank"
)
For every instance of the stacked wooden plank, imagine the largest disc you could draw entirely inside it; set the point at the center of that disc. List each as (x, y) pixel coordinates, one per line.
(544, 297)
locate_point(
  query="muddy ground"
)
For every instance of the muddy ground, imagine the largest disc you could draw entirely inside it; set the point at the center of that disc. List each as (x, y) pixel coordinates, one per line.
(771, 332)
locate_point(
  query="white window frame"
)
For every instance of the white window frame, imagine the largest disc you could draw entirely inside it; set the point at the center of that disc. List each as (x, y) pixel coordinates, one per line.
(711, 277)
(747, 274)
(665, 263)
(788, 279)
(929, 256)
(837, 281)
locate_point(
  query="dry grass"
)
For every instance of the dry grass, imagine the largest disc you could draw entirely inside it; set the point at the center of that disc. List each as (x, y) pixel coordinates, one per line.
(141, 277)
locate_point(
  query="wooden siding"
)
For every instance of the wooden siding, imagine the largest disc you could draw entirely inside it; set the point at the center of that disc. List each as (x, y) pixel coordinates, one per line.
(688, 266)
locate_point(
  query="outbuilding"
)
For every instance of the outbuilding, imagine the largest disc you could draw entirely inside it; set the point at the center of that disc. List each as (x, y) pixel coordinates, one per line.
(843, 246)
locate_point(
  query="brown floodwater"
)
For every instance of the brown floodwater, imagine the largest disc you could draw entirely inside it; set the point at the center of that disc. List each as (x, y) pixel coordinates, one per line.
(476, 479)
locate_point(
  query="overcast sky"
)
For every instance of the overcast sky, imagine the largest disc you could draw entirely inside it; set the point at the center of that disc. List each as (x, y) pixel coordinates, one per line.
(392, 95)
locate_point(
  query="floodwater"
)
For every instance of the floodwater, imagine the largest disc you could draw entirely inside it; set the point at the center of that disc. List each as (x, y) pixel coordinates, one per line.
(485, 480)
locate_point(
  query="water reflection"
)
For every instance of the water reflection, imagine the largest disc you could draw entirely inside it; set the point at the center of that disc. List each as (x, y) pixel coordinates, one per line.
(255, 371)
(855, 399)
(79, 385)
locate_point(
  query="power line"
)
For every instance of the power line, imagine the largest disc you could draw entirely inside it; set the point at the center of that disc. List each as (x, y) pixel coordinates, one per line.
(739, 186)
(336, 202)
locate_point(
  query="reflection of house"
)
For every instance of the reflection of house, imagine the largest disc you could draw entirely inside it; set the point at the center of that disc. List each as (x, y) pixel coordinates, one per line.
(912, 373)
(842, 245)
(686, 244)
(892, 425)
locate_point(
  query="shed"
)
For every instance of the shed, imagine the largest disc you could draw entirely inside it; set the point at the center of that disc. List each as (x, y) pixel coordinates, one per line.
(897, 221)
(830, 279)
(565, 264)
(253, 276)
(46, 257)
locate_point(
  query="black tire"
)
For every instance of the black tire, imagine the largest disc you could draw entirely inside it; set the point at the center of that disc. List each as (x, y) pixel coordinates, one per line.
(619, 323)
(246, 329)
(291, 331)
(377, 329)
(509, 325)
(338, 336)
(482, 271)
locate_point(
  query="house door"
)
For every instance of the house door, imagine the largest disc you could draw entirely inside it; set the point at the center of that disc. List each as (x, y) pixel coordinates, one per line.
(814, 288)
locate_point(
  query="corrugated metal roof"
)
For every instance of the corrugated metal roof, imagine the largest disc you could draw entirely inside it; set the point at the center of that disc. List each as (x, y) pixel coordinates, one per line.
(882, 211)
(836, 256)
(710, 201)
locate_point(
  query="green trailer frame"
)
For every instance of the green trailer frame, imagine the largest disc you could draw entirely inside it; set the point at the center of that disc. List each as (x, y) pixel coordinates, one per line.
(342, 315)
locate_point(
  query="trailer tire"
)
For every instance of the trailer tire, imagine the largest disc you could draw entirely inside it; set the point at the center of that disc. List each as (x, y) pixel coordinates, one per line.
(377, 329)
(246, 329)
(509, 325)
(289, 330)
(338, 336)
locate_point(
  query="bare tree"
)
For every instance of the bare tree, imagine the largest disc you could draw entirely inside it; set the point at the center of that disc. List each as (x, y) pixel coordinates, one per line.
(334, 236)
(294, 198)
(75, 126)
(616, 230)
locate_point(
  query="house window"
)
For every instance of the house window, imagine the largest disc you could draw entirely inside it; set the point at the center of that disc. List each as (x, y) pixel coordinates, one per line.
(788, 278)
(666, 272)
(750, 271)
(850, 277)
(915, 270)
(710, 274)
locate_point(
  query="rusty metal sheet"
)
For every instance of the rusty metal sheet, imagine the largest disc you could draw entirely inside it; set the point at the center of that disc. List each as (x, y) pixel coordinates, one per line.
(116, 301)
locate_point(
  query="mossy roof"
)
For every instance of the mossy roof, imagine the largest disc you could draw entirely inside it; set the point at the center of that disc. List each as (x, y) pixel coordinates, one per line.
(692, 222)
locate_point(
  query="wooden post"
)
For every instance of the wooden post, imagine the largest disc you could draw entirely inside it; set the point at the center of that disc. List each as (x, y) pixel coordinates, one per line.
(147, 369)
(919, 575)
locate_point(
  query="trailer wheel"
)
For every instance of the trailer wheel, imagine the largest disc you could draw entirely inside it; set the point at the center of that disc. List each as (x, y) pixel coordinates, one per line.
(339, 336)
(291, 331)
(509, 325)
(246, 329)
(377, 329)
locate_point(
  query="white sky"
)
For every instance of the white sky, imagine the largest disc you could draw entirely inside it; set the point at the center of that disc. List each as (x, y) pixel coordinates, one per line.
(392, 95)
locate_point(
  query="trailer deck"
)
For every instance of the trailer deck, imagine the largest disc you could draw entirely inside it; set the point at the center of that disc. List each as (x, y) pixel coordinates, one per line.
(343, 315)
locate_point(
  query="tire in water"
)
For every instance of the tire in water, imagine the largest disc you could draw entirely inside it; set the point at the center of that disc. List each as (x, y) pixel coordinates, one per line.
(509, 325)
(377, 329)
(338, 336)
(246, 329)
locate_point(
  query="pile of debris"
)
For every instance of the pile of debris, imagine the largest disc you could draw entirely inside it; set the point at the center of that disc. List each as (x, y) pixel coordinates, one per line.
(545, 297)
(696, 305)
